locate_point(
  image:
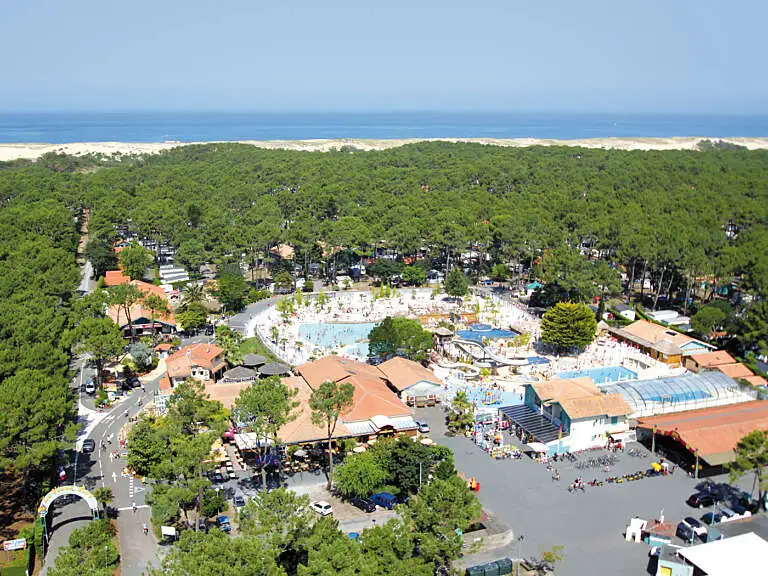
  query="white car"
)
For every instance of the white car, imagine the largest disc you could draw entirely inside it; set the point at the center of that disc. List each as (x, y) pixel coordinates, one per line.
(90, 387)
(321, 507)
(423, 426)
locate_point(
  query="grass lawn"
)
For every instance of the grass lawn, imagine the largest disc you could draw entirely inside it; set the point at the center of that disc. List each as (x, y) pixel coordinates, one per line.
(256, 346)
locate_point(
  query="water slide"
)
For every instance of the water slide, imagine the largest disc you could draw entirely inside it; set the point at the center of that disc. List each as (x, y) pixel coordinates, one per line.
(481, 353)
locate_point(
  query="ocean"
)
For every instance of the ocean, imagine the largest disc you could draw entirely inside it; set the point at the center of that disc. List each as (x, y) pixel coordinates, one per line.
(60, 128)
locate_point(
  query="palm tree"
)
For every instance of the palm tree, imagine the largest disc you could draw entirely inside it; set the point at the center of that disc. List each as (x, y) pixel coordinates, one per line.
(103, 496)
(193, 293)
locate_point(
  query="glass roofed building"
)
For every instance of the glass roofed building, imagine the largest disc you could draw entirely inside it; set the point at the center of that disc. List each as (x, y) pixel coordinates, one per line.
(678, 393)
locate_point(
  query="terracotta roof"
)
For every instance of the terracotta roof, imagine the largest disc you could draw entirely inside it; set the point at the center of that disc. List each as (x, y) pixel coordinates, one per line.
(735, 370)
(148, 288)
(372, 397)
(180, 363)
(713, 359)
(580, 398)
(115, 277)
(714, 432)
(403, 373)
(225, 392)
(661, 338)
(756, 380)
(165, 383)
(558, 388)
(301, 429)
(336, 369)
(163, 346)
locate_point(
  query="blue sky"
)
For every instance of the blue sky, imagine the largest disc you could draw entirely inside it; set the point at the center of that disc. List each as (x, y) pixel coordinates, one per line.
(515, 55)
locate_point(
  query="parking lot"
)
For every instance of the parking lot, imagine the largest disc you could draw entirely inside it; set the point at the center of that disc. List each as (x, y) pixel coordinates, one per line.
(589, 524)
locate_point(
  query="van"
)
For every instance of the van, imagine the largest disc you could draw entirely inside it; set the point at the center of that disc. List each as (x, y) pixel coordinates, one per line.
(384, 499)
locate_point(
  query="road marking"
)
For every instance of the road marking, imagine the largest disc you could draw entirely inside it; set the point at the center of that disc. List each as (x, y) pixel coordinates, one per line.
(131, 508)
(139, 488)
(114, 477)
(130, 488)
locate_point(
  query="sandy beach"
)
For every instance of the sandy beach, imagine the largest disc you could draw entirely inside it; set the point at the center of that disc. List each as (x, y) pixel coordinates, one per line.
(32, 151)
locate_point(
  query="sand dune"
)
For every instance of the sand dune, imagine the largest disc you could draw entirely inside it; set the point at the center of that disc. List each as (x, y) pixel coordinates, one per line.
(32, 151)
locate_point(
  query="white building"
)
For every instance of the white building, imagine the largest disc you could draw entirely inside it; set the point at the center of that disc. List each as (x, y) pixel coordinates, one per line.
(569, 414)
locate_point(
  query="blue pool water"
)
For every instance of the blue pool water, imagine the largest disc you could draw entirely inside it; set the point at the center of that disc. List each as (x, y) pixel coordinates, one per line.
(604, 375)
(479, 331)
(329, 335)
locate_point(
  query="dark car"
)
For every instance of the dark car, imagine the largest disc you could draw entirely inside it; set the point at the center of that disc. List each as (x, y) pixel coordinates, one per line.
(239, 502)
(202, 525)
(701, 500)
(363, 504)
(385, 500)
(89, 445)
(712, 518)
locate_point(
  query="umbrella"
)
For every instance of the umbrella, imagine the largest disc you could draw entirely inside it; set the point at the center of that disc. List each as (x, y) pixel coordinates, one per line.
(358, 449)
(274, 368)
(253, 360)
(300, 453)
(537, 446)
(427, 441)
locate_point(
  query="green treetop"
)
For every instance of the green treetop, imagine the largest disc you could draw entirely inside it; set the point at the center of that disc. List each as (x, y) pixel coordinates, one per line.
(134, 260)
(568, 325)
(328, 402)
(456, 284)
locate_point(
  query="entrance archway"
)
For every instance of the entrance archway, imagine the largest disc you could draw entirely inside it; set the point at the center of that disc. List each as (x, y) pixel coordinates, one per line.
(48, 499)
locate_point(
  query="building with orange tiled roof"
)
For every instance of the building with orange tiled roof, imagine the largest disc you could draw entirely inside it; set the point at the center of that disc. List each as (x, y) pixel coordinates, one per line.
(711, 434)
(410, 379)
(708, 360)
(201, 361)
(376, 409)
(141, 317)
(569, 414)
(115, 277)
(735, 370)
(660, 342)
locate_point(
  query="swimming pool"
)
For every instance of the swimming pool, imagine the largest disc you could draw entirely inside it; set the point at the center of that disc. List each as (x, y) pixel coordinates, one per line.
(479, 331)
(330, 335)
(604, 375)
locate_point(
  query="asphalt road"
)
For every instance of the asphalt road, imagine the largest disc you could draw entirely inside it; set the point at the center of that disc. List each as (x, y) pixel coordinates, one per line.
(100, 469)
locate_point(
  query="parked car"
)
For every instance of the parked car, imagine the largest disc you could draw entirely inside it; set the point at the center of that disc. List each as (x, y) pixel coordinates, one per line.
(423, 426)
(321, 507)
(740, 512)
(90, 387)
(711, 518)
(363, 504)
(202, 525)
(685, 532)
(728, 515)
(698, 528)
(239, 502)
(223, 523)
(89, 445)
(385, 500)
(701, 500)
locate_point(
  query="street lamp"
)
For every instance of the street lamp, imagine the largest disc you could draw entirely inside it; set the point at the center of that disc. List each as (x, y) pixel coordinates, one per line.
(519, 558)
